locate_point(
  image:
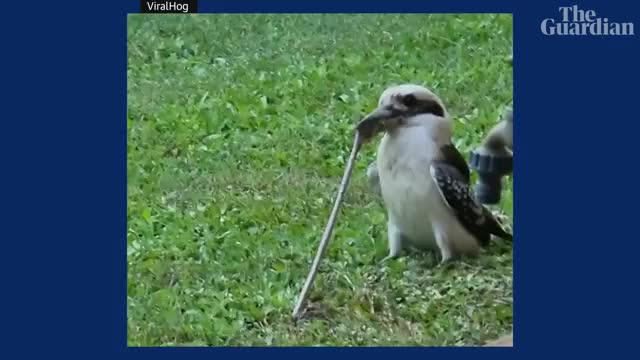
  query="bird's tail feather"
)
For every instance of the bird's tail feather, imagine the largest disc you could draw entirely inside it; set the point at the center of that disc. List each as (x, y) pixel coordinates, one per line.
(495, 228)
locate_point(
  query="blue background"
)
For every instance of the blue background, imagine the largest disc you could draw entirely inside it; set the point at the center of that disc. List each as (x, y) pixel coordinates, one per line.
(63, 143)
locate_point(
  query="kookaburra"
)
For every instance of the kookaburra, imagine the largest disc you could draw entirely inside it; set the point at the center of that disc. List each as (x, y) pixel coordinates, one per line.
(423, 179)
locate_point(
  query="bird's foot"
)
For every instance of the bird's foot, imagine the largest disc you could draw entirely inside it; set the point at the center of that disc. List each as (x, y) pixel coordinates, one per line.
(447, 257)
(446, 265)
(387, 258)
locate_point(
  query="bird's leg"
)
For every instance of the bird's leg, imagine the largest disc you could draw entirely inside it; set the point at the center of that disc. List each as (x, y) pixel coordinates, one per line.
(443, 244)
(395, 241)
(374, 178)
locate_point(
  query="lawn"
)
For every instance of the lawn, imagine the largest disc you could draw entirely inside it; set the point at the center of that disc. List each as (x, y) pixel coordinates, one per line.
(239, 127)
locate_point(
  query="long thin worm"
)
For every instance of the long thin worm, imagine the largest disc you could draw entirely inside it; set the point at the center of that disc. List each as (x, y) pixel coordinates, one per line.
(326, 236)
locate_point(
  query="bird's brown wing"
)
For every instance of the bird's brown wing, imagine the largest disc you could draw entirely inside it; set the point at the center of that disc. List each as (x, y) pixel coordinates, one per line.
(452, 156)
(458, 196)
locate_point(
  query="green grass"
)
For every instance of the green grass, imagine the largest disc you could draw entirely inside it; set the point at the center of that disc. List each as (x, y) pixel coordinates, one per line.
(239, 127)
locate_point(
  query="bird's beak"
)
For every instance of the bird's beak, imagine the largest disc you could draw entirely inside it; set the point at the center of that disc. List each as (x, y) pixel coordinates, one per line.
(380, 119)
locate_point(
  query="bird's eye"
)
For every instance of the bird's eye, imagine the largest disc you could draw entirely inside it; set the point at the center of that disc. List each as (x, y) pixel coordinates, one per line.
(409, 100)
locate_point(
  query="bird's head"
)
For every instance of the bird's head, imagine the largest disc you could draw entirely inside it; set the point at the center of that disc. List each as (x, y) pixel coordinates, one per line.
(402, 106)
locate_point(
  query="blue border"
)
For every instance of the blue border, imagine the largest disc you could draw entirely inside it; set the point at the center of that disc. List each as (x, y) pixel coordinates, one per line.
(64, 182)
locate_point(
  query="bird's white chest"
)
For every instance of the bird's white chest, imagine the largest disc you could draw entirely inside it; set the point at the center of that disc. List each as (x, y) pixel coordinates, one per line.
(408, 190)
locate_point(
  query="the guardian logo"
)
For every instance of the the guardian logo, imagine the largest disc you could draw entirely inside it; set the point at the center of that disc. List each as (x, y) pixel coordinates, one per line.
(579, 22)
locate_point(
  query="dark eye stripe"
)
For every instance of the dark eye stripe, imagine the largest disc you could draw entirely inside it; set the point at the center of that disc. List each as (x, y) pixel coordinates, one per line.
(430, 107)
(409, 100)
(420, 106)
(424, 106)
